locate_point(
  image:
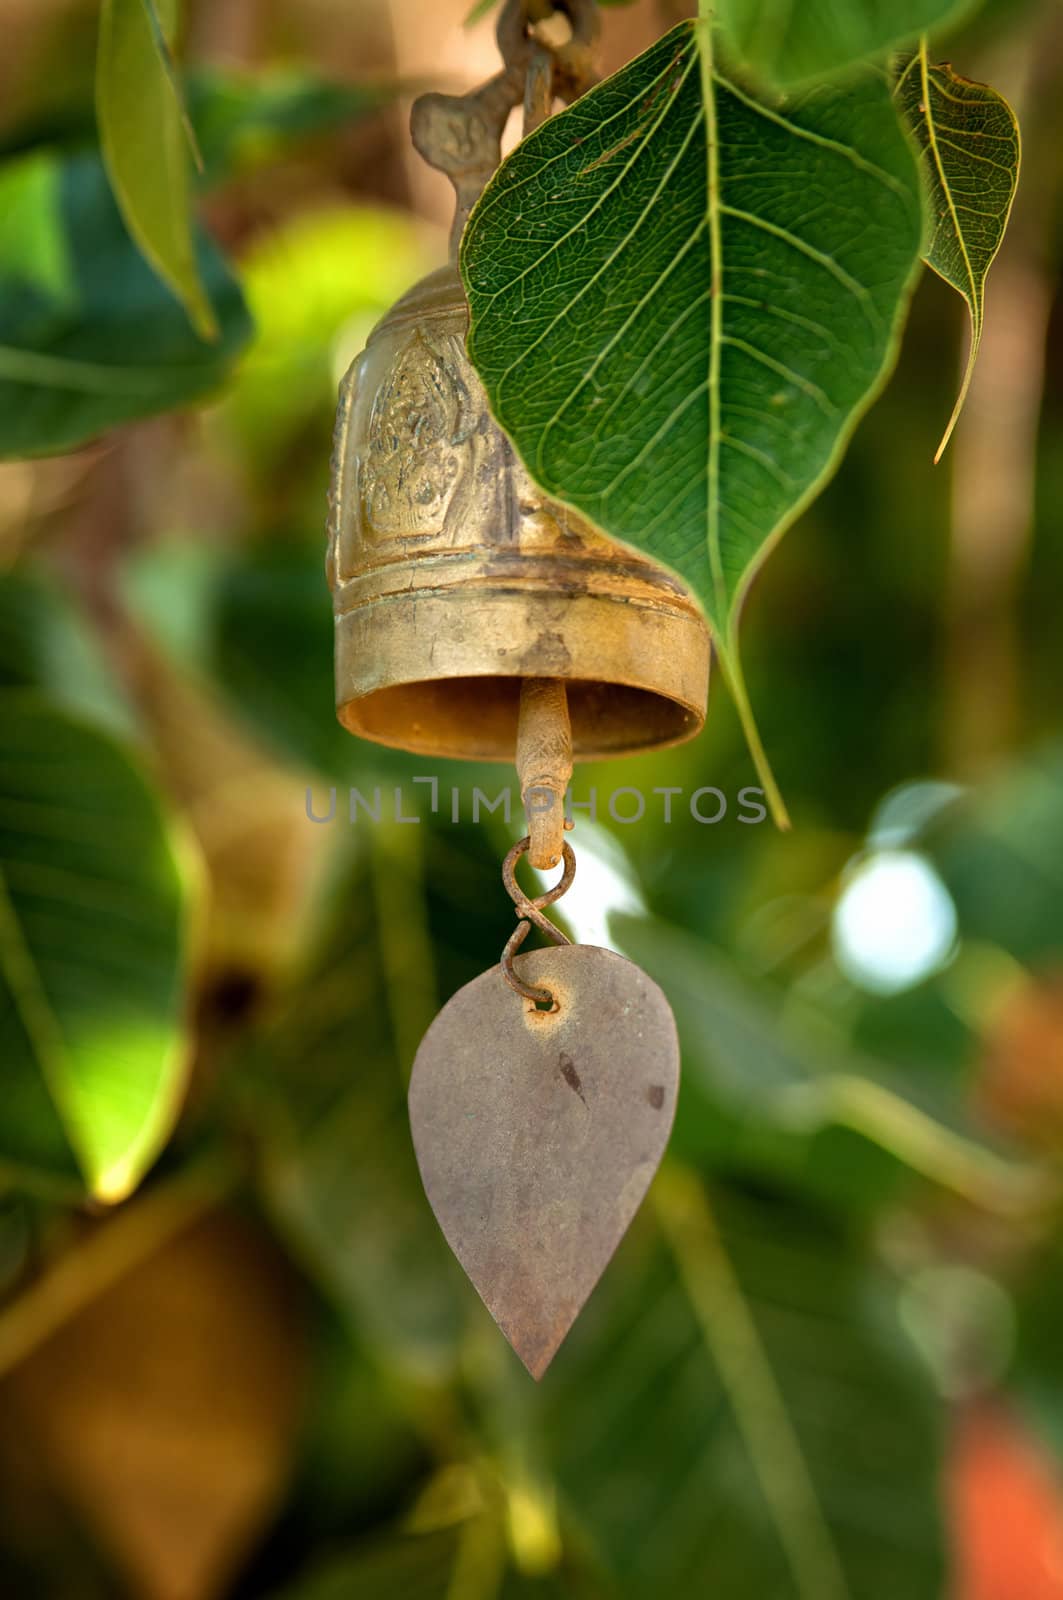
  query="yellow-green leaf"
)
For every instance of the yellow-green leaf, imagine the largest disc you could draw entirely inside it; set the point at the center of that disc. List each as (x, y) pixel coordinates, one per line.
(968, 138)
(96, 903)
(144, 138)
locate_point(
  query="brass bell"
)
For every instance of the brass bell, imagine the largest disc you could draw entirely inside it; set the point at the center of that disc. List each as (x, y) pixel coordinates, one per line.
(454, 577)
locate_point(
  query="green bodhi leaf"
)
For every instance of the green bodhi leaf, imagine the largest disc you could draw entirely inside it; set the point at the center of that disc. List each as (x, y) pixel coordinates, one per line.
(968, 138)
(145, 139)
(243, 120)
(788, 41)
(682, 299)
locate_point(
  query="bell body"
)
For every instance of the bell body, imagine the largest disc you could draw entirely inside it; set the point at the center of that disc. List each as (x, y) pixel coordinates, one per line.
(454, 577)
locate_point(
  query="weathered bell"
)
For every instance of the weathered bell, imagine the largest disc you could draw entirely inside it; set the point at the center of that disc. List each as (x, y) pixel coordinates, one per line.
(454, 577)
(461, 591)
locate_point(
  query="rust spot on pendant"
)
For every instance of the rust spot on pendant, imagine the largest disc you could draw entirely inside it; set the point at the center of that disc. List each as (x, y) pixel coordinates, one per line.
(571, 1076)
(536, 1134)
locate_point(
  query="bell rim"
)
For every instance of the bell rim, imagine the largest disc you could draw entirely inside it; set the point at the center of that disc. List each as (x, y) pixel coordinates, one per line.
(439, 673)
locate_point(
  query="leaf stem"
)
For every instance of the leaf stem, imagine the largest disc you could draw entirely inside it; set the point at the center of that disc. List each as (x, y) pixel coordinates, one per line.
(731, 666)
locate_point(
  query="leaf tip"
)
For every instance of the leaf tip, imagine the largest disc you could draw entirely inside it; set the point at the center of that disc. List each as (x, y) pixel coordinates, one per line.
(201, 314)
(114, 1185)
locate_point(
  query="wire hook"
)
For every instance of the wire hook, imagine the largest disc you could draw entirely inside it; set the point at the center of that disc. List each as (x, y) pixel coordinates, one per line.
(530, 910)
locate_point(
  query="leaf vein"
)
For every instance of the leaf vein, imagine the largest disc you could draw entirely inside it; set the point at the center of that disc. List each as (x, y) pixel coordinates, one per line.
(610, 345)
(743, 447)
(496, 195)
(652, 443)
(555, 245)
(821, 139)
(632, 381)
(794, 240)
(813, 390)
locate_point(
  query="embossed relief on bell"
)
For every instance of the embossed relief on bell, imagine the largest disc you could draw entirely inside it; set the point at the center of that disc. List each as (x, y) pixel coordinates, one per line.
(421, 449)
(420, 467)
(419, 464)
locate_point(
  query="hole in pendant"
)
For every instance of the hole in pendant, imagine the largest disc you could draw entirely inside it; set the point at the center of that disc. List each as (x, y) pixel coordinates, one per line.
(545, 1007)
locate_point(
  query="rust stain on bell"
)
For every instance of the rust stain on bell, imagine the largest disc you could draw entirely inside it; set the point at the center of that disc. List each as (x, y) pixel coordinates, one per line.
(538, 1133)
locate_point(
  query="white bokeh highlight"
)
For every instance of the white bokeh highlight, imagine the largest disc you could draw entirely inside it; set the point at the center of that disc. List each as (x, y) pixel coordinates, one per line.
(894, 923)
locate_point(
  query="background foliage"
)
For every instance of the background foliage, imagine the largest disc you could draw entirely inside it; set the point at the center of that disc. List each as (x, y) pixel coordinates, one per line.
(237, 1359)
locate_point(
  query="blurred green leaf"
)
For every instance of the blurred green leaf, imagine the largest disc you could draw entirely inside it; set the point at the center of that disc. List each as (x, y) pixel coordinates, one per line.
(89, 337)
(743, 1414)
(411, 1567)
(760, 1096)
(46, 643)
(338, 1164)
(335, 1485)
(239, 119)
(920, 1027)
(256, 625)
(271, 611)
(714, 414)
(243, 119)
(1000, 851)
(95, 894)
(445, 1564)
(968, 138)
(170, 589)
(1034, 1375)
(144, 137)
(786, 42)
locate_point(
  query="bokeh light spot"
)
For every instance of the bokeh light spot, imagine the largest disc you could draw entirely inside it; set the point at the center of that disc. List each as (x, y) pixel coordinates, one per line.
(894, 924)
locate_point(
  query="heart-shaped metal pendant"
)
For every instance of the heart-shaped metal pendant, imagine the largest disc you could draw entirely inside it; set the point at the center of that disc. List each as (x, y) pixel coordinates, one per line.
(538, 1132)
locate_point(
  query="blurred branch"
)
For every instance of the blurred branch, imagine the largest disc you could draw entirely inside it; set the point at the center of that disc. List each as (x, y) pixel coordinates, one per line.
(934, 1151)
(108, 1254)
(479, 1562)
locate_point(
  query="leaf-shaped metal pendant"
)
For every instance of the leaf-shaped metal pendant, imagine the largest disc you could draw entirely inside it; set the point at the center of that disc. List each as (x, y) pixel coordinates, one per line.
(538, 1132)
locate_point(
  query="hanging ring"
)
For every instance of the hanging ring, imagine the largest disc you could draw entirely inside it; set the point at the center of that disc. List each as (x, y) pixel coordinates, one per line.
(530, 910)
(572, 63)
